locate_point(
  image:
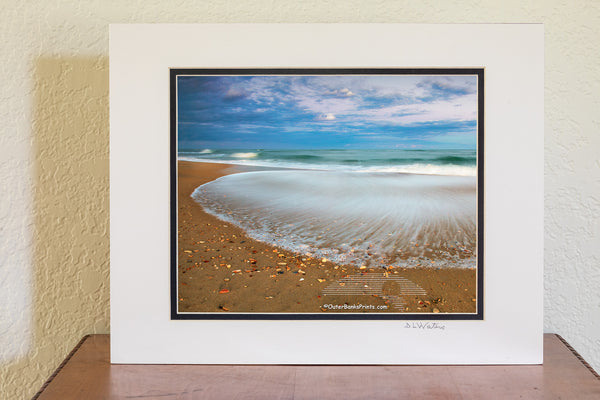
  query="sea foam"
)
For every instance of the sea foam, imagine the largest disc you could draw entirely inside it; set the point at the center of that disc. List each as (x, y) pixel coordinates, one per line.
(373, 219)
(244, 155)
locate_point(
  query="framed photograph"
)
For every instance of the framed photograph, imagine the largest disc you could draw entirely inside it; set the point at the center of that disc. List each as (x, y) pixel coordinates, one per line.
(326, 193)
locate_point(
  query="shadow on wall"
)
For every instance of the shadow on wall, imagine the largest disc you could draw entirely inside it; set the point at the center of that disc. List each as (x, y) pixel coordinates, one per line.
(70, 151)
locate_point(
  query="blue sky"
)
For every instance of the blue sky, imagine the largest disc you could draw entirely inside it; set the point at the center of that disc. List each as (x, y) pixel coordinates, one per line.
(327, 112)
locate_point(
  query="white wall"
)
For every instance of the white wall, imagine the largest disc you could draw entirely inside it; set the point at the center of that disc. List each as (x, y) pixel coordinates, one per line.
(54, 158)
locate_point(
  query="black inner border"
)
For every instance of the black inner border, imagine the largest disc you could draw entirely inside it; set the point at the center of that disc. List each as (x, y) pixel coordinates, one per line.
(175, 72)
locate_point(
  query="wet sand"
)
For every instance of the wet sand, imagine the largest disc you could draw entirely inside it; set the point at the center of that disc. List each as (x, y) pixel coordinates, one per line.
(221, 269)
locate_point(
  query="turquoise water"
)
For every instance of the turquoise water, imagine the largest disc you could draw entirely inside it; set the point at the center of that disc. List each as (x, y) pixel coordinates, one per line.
(431, 162)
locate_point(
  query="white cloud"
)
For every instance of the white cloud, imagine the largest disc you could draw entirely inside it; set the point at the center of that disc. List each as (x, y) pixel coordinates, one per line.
(459, 109)
(234, 93)
(319, 105)
(326, 117)
(404, 101)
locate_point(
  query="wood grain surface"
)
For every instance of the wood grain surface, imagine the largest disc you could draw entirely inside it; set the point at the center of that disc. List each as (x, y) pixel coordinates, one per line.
(88, 374)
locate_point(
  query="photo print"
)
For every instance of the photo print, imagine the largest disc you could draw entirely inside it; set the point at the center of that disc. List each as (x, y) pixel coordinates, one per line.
(327, 194)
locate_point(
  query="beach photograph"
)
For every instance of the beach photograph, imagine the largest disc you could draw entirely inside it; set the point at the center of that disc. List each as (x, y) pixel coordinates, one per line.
(327, 194)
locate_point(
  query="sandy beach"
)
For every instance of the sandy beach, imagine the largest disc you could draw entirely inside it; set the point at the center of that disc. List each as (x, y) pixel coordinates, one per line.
(221, 269)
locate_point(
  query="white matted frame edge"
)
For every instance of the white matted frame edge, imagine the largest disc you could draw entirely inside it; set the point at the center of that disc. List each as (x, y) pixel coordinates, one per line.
(140, 58)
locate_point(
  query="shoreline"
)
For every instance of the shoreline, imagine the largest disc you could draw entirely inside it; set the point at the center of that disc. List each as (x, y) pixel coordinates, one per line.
(221, 269)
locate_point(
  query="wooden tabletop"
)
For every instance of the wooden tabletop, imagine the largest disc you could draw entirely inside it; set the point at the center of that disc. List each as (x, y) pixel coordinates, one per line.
(88, 374)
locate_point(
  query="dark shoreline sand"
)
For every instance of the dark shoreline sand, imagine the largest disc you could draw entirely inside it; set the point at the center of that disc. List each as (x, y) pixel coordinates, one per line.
(220, 269)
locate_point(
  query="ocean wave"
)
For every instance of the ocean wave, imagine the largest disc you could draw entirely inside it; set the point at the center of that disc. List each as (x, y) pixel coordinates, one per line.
(427, 169)
(352, 218)
(420, 169)
(456, 160)
(244, 155)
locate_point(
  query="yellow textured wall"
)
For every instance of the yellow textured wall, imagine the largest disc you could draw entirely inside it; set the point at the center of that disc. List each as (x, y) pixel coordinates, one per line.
(54, 247)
